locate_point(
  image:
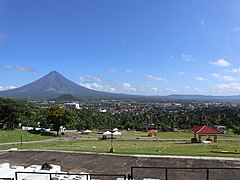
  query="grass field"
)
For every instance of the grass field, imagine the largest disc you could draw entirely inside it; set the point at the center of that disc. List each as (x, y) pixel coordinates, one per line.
(133, 145)
(15, 136)
(138, 147)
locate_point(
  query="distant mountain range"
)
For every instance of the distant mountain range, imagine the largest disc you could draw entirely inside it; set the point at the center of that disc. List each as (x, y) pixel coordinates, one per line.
(56, 86)
(204, 98)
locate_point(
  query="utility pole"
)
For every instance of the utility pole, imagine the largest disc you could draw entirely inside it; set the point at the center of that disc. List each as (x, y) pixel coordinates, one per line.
(20, 126)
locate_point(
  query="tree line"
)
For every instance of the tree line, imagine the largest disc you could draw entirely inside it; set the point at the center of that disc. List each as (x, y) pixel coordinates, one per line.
(16, 112)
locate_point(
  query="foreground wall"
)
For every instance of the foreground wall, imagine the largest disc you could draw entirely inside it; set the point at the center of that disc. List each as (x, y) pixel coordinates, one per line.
(109, 163)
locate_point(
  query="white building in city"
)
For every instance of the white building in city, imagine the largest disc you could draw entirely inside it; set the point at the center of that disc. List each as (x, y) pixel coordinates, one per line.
(72, 105)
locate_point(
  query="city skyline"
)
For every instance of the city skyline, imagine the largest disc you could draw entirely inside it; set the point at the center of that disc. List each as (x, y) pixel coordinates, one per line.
(135, 47)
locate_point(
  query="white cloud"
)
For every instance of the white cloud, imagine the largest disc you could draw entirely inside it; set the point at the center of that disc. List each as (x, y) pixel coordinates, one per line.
(229, 88)
(7, 67)
(155, 78)
(97, 86)
(148, 89)
(169, 90)
(25, 69)
(224, 78)
(95, 83)
(228, 78)
(128, 70)
(201, 21)
(154, 89)
(3, 88)
(19, 68)
(151, 90)
(221, 63)
(180, 73)
(111, 89)
(82, 79)
(199, 78)
(11, 87)
(87, 85)
(235, 70)
(96, 79)
(128, 87)
(236, 29)
(215, 75)
(188, 57)
(198, 90)
(90, 78)
(112, 70)
(192, 90)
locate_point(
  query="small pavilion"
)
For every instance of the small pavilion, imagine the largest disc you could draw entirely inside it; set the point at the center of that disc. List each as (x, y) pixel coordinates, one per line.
(152, 132)
(204, 131)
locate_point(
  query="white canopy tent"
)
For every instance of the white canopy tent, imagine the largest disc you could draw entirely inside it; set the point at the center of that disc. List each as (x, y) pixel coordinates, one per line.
(117, 133)
(107, 133)
(87, 131)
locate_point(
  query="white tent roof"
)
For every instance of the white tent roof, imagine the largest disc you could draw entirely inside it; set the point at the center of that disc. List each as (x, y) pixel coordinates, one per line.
(107, 133)
(117, 133)
(87, 131)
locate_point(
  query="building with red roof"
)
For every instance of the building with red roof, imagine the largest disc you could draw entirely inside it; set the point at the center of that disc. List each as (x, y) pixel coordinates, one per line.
(204, 131)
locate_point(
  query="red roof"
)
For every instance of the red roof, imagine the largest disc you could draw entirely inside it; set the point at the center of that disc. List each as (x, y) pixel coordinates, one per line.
(152, 131)
(205, 130)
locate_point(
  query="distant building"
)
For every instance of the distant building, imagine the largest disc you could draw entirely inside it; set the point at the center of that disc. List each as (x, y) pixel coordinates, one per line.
(72, 105)
(103, 110)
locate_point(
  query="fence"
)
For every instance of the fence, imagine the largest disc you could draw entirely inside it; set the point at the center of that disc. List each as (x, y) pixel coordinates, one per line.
(146, 173)
(179, 173)
(65, 176)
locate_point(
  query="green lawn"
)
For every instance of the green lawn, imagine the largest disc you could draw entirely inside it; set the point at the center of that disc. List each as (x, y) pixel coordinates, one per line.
(7, 136)
(138, 147)
(132, 135)
(127, 147)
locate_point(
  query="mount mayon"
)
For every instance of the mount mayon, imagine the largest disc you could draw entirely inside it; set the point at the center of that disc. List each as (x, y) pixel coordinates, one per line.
(54, 85)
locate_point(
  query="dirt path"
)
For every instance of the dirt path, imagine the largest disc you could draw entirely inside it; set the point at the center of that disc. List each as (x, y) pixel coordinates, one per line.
(31, 142)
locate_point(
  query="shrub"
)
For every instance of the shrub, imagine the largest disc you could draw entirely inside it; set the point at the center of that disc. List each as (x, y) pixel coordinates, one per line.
(41, 132)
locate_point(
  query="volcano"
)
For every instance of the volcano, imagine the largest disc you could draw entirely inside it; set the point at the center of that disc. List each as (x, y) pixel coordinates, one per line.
(54, 85)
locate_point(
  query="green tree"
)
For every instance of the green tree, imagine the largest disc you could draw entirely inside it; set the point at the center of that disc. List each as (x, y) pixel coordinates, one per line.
(11, 113)
(58, 117)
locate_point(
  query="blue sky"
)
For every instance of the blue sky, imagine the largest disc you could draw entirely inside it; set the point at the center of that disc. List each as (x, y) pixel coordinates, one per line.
(148, 47)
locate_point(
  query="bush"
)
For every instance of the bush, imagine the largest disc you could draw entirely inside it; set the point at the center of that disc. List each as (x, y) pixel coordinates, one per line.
(41, 132)
(236, 130)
